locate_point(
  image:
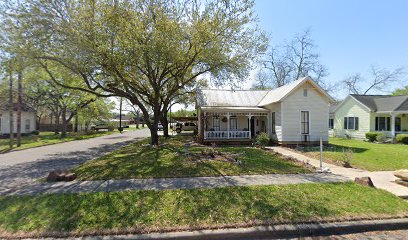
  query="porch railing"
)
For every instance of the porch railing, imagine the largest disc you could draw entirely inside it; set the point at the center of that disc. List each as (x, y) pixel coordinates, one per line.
(226, 134)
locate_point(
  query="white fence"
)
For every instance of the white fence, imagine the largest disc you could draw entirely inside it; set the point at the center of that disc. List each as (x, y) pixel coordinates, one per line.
(226, 134)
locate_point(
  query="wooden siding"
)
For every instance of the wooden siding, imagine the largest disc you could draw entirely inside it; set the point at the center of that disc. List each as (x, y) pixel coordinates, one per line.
(352, 108)
(318, 107)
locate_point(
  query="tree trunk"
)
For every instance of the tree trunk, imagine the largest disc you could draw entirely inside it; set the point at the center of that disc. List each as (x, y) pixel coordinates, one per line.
(154, 136)
(11, 109)
(137, 119)
(19, 107)
(76, 122)
(165, 122)
(56, 131)
(64, 123)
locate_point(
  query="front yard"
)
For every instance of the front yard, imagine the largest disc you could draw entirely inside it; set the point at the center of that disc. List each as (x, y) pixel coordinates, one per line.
(366, 155)
(139, 160)
(149, 211)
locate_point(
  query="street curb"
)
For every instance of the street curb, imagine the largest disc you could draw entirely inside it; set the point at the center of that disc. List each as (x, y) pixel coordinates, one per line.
(275, 231)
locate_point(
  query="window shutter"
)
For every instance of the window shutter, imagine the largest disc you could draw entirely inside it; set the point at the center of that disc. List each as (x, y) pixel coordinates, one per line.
(376, 123)
(356, 123)
(345, 122)
(388, 124)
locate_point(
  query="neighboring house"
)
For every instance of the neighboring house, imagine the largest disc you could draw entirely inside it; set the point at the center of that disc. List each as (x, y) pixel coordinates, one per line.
(28, 120)
(359, 114)
(292, 114)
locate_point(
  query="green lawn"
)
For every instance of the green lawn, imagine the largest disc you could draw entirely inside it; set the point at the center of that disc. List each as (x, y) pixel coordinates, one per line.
(140, 161)
(367, 155)
(146, 211)
(47, 138)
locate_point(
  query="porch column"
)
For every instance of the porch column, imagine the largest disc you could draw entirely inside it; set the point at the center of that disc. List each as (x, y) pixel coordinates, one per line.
(268, 123)
(249, 124)
(393, 126)
(228, 125)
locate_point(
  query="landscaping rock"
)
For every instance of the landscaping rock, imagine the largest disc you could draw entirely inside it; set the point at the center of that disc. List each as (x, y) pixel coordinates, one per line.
(402, 174)
(61, 175)
(366, 181)
(402, 182)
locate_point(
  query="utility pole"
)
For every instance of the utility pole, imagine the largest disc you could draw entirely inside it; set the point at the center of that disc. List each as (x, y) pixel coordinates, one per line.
(19, 106)
(11, 107)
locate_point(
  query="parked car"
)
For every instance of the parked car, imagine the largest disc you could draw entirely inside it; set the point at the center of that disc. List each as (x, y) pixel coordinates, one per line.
(187, 126)
(100, 126)
(159, 127)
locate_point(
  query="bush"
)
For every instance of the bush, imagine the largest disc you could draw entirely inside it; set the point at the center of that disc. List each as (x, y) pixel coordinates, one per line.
(372, 136)
(263, 139)
(380, 137)
(35, 132)
(402, 138)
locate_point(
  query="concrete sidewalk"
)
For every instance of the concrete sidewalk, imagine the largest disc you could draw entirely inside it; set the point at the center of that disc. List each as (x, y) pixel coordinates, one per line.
(171, 183)
(381, 179)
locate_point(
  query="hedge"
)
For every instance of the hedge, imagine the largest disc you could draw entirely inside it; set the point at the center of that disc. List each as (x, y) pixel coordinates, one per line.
(402, 138)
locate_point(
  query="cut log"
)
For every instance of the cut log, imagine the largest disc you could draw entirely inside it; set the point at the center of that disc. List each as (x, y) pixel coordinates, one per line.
(61, 175)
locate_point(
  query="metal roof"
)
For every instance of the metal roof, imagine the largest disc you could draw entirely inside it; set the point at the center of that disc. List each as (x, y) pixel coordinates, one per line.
(383, 103)
(250, 98)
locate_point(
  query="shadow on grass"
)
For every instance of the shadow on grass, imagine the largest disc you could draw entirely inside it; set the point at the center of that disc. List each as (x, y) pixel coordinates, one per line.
(332, 148)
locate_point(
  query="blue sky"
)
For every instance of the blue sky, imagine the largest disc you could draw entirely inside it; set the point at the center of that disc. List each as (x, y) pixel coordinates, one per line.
(350, 35)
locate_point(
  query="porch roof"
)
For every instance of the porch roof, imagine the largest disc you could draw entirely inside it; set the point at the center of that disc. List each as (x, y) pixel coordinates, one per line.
(235, 109)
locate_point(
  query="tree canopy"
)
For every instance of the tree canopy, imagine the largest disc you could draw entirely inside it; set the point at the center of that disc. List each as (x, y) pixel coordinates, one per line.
(147, 51)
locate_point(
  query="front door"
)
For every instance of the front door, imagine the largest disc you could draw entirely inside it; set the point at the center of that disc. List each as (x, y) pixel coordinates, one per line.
(252, 127)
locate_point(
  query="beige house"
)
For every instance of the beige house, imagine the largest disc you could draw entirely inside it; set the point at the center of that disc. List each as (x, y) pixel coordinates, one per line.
(359, 114)
(291, 114)
(28, 120)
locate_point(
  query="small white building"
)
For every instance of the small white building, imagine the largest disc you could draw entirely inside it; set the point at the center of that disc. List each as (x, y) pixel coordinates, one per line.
(28, 120)
(292, 114)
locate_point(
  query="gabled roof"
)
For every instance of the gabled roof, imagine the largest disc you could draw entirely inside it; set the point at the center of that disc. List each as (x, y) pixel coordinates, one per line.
(251, 98)
(383, 103)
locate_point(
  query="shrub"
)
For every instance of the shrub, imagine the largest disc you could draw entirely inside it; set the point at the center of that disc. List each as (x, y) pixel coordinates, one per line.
(402, 138)
(263, 139)
(35, 132)
(371, 136)
(380, 137)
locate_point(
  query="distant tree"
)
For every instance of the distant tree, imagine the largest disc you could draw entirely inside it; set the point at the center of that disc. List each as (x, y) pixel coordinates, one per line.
(294, 60)
(401, 91)
(379, 80)
(262, 80)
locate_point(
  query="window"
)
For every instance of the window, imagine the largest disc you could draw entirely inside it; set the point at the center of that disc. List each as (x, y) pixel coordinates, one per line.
(273, 123)
(233, 123)
(216, 123)
(27, 125)
(331, 123)
(397, 124)
(351, 123)
(192, 125)
(304, 120)
(383, 123)
(305, 92)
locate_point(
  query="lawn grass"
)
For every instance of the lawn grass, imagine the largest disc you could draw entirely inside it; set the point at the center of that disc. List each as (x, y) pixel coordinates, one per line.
(47, 138)
(367, 155)
(140, 161)
(151, 210)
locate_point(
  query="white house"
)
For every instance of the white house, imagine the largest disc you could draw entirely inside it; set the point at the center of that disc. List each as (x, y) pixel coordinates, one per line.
(359, 114)
(28, 120)
(291, 114)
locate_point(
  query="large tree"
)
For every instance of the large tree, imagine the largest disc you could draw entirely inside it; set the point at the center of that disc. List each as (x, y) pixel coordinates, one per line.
(146, 51)
(379, 79)
(292, 60)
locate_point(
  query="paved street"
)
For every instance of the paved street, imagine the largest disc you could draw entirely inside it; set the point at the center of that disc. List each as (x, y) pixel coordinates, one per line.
(22, 168)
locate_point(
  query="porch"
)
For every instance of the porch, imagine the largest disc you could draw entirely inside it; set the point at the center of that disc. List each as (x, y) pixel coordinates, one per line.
(391, 124)
(233, 125)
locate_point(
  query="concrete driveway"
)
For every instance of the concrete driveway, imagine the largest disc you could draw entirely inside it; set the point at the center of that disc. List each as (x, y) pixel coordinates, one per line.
(26, 166)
